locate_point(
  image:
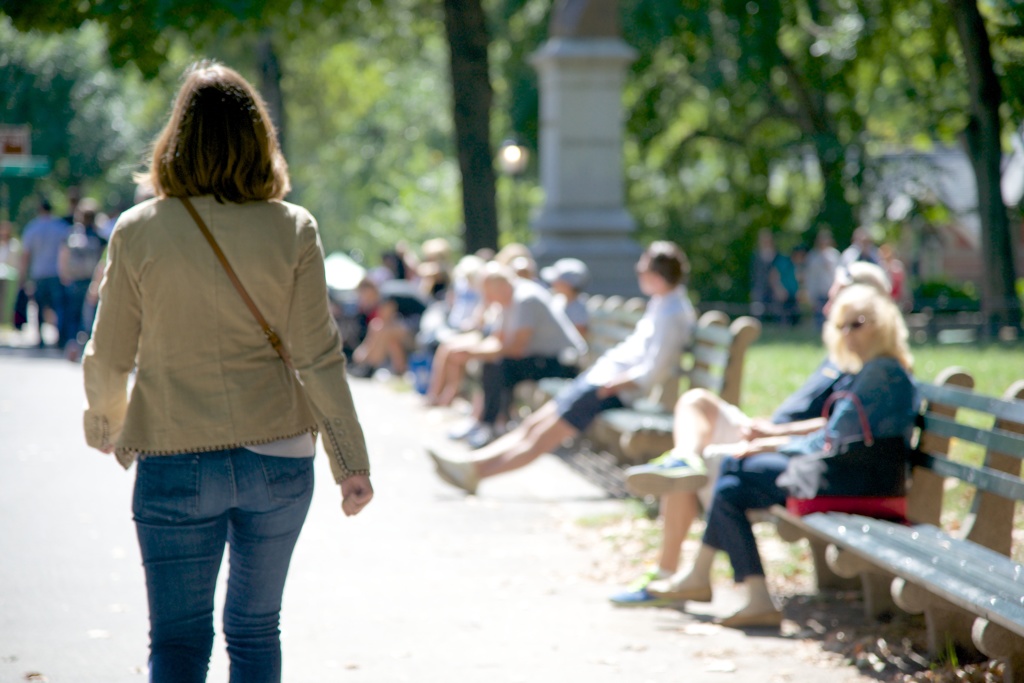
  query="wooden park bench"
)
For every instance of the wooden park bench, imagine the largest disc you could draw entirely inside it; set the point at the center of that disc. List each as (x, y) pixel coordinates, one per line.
(962, 578)
(714, 362)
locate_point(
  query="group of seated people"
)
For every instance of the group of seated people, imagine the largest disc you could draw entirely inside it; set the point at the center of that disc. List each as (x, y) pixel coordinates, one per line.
(493, 312)
(722, 461)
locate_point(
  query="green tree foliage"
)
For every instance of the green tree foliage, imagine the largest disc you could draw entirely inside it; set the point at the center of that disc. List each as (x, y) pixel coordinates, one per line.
(371, 151)
(85, 118)
(746, 115)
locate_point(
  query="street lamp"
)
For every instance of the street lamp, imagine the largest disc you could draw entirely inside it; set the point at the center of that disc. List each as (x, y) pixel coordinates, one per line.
(512, 160)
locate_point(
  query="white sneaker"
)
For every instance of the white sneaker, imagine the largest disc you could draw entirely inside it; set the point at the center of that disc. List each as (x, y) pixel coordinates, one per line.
(460, 474)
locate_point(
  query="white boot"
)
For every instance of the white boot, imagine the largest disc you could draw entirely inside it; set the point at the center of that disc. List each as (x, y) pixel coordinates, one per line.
(759, 610)
(693, 583)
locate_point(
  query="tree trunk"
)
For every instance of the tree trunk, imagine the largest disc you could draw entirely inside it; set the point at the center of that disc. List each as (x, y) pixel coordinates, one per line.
(835, 211)
(468, 39)
(270, 83)
(999, 302)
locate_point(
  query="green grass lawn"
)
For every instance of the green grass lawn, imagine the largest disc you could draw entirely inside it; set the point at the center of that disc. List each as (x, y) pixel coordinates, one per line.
(779, 362)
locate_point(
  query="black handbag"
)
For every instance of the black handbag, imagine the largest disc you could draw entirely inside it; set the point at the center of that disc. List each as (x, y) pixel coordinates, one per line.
(866, 468)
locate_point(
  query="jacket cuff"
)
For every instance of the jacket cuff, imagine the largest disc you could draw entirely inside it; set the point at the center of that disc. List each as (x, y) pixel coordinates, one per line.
(98, 433)
(346, 448)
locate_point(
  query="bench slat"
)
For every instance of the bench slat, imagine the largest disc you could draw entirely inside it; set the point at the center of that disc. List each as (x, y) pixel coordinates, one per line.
(986, 568)
(1012, 411)
(847, 531)
(704, 379)
(626, 420)
(1005, 485)
(709, 355)
(714, 335)
(997, 440)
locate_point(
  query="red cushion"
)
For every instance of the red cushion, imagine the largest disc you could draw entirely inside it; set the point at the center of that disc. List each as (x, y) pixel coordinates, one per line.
(894, 507)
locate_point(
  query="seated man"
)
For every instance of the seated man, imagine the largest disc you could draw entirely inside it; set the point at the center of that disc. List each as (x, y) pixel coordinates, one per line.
(702, 421)
(535, 340)
(624, 373)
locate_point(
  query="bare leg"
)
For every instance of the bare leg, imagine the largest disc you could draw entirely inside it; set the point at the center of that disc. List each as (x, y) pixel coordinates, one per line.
(438, 372)
(372, 351)
(695, 415)
(455, 371)
(542, 438)
(678, 511)
(396, 338)
(529, 429)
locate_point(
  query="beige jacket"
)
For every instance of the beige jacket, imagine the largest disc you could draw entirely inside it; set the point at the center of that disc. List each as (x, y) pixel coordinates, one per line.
(206, 378)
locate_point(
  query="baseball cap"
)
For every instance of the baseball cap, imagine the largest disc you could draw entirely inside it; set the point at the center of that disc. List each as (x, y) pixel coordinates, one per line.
(571, 271)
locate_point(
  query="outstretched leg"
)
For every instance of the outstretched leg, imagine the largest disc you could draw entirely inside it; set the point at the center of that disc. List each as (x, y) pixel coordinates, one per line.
(541, 438)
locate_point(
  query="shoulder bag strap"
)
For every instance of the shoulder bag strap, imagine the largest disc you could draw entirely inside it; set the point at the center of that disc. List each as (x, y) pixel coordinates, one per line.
(865, 426)
(268, 331)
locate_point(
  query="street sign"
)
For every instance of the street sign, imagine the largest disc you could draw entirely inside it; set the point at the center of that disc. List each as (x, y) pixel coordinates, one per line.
(15, 139)
(23, 166)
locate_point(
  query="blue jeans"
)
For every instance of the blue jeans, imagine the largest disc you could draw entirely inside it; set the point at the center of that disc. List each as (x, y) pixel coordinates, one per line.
(74, 302)
(744, 484)
(50, 294)
(187, 507)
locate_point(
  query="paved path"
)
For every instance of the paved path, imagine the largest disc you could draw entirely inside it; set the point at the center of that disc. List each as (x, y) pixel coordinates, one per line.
(427, 585)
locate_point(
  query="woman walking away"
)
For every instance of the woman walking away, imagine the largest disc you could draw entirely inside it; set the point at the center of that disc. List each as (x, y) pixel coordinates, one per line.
(222, 427)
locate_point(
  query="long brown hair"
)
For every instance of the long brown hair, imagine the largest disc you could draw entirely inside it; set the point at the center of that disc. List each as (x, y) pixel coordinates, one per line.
(219, 141)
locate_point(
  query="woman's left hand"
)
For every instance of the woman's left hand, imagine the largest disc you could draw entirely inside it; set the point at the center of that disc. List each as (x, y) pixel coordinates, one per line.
(745, 449)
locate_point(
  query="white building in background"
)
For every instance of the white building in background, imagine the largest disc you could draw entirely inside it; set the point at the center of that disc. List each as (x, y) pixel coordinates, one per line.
(943, 249)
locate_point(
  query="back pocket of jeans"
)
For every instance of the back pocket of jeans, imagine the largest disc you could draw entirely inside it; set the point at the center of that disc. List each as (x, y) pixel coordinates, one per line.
(166, 488)
(288, 479)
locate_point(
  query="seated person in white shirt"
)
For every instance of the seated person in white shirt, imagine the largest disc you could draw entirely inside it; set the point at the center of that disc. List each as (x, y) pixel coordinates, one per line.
(624, 373)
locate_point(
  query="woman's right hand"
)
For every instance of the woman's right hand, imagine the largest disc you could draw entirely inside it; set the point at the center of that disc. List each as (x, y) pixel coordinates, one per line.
(356, 493)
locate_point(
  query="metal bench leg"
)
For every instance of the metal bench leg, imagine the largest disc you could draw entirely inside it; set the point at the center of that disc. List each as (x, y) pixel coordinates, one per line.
(999, 643)
(944, 623)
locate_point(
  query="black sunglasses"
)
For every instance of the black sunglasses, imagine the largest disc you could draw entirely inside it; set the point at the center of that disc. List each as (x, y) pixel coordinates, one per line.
(855, 324)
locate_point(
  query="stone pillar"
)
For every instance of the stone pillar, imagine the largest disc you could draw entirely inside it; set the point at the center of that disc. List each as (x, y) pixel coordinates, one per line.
(582, 68)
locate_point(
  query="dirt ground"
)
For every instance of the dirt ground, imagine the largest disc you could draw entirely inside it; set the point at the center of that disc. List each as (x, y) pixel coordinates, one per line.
(831, 628)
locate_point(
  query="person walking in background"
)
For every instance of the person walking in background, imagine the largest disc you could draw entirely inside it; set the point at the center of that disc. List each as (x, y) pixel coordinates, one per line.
(889, 260)
(41, 244)
(220, 425)
(819, 273)
(81, 252)
(772, 280)
(862, 248)
(10, 267)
